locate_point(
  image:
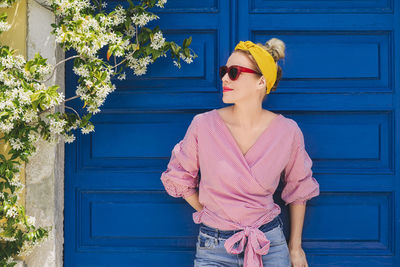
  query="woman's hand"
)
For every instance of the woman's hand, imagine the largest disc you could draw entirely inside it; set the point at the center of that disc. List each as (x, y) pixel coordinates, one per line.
(193, 200)
(298, 257)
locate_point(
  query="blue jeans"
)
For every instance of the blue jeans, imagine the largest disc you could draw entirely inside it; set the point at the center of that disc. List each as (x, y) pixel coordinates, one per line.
(210, 250)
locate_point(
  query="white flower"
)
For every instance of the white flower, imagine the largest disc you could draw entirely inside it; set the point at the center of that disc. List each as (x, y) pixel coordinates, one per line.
(7, 61)
(122, 76)
(57, 127)
(16, 144)
(75, 125)
(60, 35)
(89, 128)
(19, 61)
(39, 86)
(65, 6)
(81, 90)
(27, 248)
(186, 59)
(4, 4)
(131, 31)
(119, 15)
(24, 96)
(17, 183)
(17, 176)
(69, 138)
(11, 82)
(31, 220)
(144, 61)
(30, 115)
(161, 3)
(88, 83)
(93, 109)
(142, 19)
(140, 70)
(81, 71)
(112, 38)
(6, 127)
(158, 41)
(33, 137)
(44, 70)
(4, 26)
(12, 94)
(59, 99)
(10, 259)
(139, 65)
(12, 212)
(189, 60)
(176, 63)
(53, 139)
(14, 115)
(6, 238)
(6, 104)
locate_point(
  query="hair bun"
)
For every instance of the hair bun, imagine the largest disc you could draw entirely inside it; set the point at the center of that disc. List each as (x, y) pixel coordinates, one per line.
(276, 47)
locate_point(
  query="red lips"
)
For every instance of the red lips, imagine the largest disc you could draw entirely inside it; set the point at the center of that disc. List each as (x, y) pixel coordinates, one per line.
(226, 89)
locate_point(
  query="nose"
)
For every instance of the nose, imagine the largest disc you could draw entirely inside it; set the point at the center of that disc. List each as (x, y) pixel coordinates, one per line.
(225, 78)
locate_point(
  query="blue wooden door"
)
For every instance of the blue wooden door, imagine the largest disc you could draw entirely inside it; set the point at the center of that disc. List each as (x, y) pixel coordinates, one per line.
(340, 76)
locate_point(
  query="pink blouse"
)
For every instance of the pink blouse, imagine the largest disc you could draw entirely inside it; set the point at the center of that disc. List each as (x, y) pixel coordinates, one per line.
(236, 190)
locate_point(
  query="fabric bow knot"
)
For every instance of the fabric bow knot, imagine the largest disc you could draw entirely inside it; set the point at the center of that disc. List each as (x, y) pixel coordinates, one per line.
(257, 245)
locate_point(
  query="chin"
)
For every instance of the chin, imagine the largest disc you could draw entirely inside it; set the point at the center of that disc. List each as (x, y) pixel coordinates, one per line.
(226, 100)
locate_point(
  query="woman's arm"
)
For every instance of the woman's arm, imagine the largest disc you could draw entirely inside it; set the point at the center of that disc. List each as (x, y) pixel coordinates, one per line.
(297, 212)
(297, 255)
(193, 200)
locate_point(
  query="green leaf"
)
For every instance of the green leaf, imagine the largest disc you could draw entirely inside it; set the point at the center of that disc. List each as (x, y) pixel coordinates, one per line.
(173, 47)
(189, 41)
(131, 3)
(156, 54)
(52, 89)
(34, 105)
(3, 114)
(35, 96)
(186, 52)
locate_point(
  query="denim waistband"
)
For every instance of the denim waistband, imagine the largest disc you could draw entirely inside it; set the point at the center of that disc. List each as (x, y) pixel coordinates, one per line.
(205, 229)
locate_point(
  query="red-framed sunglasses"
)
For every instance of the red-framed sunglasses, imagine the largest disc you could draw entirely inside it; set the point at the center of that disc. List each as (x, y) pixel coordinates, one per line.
(234, 71)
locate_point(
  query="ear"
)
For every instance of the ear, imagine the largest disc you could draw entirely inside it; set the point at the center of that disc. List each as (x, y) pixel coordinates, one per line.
(262, 82)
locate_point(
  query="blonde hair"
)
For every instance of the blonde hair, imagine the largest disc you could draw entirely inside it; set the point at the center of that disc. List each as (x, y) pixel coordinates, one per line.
(276, 48)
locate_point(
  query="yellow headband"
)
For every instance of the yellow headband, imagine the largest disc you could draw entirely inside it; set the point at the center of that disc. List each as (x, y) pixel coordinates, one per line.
(264, 60)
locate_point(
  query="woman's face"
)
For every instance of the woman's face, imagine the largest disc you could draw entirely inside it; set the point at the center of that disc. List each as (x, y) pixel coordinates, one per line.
(248, 86)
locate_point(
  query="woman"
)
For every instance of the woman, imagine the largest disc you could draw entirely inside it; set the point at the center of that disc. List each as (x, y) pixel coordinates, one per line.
(243, 150)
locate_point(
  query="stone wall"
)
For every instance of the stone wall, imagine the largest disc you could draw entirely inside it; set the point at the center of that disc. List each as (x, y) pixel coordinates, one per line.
(45, 170)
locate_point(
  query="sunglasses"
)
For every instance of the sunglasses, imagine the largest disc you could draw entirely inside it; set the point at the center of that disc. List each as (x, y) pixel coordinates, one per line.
(234, 71)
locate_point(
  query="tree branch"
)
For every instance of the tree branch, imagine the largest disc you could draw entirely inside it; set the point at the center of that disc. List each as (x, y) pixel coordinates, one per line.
(55, 66)
(74, 111)
(123, 59)
(66, 100)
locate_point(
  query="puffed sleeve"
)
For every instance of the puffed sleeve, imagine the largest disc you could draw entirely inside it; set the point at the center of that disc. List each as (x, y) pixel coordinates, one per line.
(181, 177)
(300, 185)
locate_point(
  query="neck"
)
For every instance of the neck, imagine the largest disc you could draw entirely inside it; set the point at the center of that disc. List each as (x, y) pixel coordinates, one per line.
(247, 117)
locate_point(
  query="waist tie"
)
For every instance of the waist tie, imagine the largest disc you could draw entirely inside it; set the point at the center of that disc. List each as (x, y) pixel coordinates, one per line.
(257, 245)
(257, 242)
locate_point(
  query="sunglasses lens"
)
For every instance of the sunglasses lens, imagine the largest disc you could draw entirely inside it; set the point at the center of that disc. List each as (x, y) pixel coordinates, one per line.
(233, 73)
(222, 71)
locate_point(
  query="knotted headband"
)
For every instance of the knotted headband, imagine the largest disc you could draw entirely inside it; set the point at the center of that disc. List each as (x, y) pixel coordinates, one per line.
(264, 60)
